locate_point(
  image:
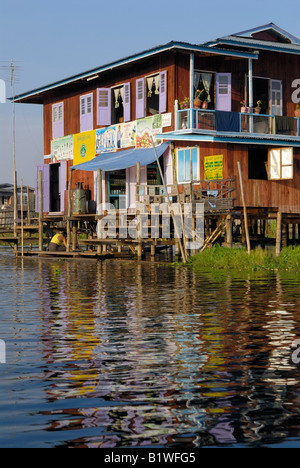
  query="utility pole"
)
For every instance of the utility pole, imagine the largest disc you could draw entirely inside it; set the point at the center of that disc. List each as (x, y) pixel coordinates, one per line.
(14, 152)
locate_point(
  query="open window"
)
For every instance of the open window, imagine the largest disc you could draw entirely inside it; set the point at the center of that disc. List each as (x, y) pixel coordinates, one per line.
(280, 164)
(257, 163)
(114, 105)
(151, 95)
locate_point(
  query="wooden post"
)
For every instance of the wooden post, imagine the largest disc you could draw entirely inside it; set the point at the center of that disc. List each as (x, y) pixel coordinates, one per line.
(245, 208)
(228, 231)
(28, 207)
(182, 249)
(140, 245)
(69, 210)
(40, 211)
(22, 220)
(99, 202)
(278, 233)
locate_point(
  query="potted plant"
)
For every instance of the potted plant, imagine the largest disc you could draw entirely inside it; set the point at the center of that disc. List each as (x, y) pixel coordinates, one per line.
(243, 107)
(257, 109)
(185, 104)
(205, 104)
(197, 99)
(297, 111)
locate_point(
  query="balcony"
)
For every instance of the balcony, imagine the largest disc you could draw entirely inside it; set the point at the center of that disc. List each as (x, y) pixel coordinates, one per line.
(237, 124)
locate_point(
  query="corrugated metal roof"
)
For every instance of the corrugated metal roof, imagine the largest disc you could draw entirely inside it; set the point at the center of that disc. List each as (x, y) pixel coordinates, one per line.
(36, 94)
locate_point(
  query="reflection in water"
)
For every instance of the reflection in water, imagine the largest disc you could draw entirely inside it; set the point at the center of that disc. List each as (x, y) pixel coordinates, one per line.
(119, 354)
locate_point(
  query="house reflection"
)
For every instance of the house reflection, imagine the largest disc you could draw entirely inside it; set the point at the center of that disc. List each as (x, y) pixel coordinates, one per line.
(152, 355)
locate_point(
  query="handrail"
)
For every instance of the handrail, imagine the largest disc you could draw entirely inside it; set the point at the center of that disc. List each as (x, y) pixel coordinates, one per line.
(204, 120)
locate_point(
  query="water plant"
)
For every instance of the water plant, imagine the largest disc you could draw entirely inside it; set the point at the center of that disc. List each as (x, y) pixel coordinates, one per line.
(221, 258)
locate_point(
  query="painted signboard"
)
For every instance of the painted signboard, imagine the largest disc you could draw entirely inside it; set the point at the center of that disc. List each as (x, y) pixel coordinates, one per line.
(62, 149)
(84, 146)
(213, 167)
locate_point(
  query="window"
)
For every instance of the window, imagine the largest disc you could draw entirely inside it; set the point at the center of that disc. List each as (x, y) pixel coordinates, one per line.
(86, 113)
(204, 88)
(184, 158)
(280, 164)
(257, 161)
(151, 95)
(114, 105)
(58, 120)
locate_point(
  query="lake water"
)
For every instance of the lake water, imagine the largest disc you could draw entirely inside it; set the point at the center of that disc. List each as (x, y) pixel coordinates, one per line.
(124, 354)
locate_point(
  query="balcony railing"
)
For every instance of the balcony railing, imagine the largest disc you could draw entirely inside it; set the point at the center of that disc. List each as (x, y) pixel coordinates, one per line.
(210, 121)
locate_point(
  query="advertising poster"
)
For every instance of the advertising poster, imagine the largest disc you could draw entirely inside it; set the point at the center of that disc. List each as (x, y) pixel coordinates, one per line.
(83, 147)
(62, 149)
(106, 139)
(213, 167)
(147, 128)
(115, 137)
(128, 134)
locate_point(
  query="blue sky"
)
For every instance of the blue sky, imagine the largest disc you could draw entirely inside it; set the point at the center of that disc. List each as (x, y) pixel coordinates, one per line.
(57, 39)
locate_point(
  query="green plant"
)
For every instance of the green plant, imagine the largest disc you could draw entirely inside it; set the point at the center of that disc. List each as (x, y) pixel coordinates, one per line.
(185, 103)
(259, 103)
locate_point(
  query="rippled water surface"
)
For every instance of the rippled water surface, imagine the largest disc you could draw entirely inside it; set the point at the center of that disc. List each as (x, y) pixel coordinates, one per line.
(119, 354)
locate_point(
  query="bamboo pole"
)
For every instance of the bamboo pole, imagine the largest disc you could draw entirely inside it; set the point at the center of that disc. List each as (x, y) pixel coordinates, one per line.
(99, 202)
(182, 250)
(244, 207)
(69, 210)
(278, 233)
(22, 220)
(40, 211)
(28, 207)
(140, 245)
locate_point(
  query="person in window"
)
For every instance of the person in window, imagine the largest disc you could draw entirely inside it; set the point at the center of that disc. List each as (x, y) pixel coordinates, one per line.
(58, 242)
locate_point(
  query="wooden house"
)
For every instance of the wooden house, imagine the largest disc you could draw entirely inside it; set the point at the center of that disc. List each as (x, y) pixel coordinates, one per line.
(7, 203)
(104, 117)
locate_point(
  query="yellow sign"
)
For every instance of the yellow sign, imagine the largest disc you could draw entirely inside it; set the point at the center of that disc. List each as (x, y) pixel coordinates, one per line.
(213, 167)
(84, 147)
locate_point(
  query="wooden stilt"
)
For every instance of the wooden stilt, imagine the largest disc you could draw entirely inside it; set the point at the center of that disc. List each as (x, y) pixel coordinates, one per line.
(245, 208)
(22, 220)
(228, 231)
(40, 211)
(278, 233)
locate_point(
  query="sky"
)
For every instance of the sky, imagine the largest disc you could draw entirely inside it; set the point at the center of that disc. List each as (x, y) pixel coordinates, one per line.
(49, 41)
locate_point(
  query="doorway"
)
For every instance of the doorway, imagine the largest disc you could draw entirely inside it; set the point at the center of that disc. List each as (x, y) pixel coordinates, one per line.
(261, 88)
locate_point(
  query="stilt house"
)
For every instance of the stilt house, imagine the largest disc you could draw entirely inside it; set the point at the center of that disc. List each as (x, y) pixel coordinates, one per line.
(207, 106)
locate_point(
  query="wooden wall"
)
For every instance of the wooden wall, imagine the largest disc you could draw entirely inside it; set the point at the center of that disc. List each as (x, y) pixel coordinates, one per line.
(284, 194)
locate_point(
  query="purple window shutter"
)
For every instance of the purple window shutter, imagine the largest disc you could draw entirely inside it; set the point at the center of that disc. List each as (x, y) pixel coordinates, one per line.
(127, 113)
(45, 168)
(162, 92)
(58, 120)
(140, 99)
(223, 92)
(104, 106)
(62, 184)
(86, 113)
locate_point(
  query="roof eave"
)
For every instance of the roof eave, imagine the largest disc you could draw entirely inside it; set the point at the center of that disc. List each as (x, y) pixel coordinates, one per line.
(35, 96)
